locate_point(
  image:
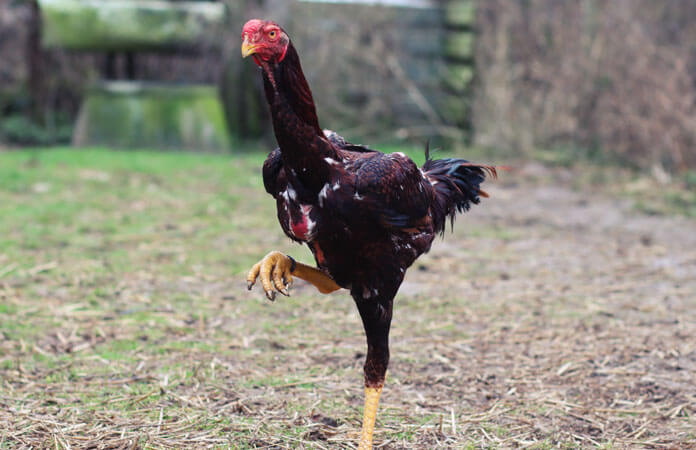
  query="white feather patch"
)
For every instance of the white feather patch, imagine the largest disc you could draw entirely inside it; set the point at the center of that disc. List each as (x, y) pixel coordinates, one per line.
(323, 193)
(291, 192)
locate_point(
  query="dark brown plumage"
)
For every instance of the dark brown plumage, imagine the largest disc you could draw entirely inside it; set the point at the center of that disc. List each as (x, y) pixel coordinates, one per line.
(366, 216)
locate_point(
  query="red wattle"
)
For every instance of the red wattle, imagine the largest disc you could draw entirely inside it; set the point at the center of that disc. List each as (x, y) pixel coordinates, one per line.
(299, 229)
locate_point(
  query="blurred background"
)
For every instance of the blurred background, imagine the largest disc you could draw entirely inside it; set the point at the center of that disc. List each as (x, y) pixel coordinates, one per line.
(559, 313)
(612, 78)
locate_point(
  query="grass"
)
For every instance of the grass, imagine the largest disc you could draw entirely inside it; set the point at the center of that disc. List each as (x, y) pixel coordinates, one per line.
(100, 254)
(124, 321)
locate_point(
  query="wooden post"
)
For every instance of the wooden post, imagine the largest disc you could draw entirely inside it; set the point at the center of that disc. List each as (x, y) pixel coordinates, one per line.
(459, 56)
(35, 62)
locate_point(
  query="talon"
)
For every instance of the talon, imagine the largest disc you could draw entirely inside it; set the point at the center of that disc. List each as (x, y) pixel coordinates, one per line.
(278, 279)
(252, 275)
(270, 295)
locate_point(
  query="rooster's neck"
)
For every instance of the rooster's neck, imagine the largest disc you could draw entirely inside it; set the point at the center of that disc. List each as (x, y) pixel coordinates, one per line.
(287, 91)
(302, 143)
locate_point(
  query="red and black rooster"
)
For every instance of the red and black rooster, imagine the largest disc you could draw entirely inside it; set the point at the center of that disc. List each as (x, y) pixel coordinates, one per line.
(365, 215)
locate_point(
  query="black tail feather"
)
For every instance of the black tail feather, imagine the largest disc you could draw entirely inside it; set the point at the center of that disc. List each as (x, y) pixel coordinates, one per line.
(457, 185)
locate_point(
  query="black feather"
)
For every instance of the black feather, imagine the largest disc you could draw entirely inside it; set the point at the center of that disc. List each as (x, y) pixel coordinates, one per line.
(457, 185)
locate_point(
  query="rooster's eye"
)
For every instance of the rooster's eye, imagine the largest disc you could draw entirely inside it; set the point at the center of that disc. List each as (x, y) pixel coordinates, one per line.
(272, 34)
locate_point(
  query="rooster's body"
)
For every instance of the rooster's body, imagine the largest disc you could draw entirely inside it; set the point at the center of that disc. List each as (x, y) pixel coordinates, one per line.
(369, 215)
(365, 215)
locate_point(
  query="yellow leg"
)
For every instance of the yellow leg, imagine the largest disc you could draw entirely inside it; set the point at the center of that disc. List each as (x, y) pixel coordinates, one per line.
(369, 416)
(319, 279)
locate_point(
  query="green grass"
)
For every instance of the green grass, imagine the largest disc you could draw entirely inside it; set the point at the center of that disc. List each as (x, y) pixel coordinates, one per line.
(92, 201)
(85, 238)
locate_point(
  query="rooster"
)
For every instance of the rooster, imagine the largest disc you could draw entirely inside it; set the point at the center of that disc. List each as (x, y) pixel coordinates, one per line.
(366, 216)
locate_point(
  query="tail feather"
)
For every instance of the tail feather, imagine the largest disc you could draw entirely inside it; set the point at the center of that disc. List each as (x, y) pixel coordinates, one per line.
(457, 185)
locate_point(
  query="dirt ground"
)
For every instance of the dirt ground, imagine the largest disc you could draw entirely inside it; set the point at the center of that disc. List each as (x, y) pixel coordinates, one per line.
(552, 317)
(579, 318)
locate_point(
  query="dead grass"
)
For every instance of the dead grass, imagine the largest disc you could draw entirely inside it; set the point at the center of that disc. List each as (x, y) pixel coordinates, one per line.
(552, 317)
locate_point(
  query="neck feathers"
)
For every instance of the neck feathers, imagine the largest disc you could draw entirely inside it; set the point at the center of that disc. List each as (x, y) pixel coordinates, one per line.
(288, 81)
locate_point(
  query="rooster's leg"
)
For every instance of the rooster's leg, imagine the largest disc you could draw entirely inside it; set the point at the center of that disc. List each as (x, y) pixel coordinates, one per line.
(369, 416)
(376, 316)
(276, 271)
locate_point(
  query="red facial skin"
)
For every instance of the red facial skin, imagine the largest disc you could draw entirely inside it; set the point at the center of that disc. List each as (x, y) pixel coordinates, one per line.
(265, 40)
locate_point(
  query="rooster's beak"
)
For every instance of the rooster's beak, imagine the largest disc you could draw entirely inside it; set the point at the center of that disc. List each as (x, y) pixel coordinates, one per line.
(248, 48)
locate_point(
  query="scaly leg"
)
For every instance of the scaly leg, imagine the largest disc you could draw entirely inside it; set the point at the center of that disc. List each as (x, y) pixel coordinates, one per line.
(369, 416)
(276, 271)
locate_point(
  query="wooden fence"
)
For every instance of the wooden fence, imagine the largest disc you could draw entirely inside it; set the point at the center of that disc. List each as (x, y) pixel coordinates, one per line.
(390, 69)
(379, 69)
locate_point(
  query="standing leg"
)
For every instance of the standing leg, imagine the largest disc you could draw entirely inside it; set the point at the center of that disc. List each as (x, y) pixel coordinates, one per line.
(376, 314)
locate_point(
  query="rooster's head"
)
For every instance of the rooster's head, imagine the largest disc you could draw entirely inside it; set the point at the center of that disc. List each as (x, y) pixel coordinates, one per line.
(264, 39)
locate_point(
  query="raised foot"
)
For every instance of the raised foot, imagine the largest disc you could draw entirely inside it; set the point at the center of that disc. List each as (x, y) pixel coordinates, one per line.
(275, 271)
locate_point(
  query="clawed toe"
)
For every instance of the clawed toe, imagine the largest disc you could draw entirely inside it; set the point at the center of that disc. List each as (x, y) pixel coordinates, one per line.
(274, 270)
